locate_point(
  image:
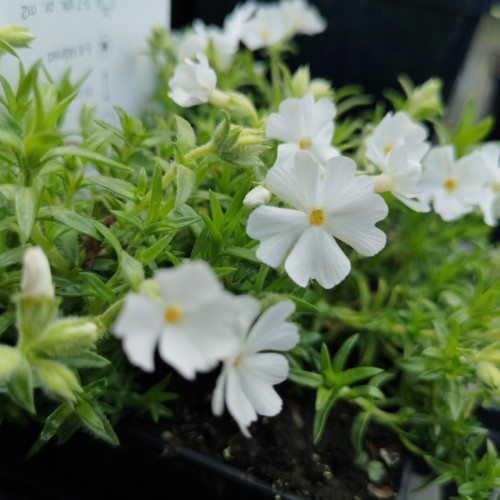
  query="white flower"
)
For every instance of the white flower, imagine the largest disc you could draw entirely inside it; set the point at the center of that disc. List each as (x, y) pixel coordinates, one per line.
(235, 23)
(36, 278)
(402, 177)
(190, 320)
(396, 130)
(331, 202)
(266, 28)
(259, 195)
(490, 204)
(248, 374)
(302, 17)
(192, 41)
(454, 187)
(193, 82)
(303, 124)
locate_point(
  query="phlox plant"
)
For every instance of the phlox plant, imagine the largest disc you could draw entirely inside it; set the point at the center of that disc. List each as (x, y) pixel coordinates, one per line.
(259, 223)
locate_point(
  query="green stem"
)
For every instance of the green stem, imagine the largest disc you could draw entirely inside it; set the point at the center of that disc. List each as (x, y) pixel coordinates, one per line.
(108, 316)
(261, 278)
(194, 154)
(167, 178)
(55, 258)
(275, 76)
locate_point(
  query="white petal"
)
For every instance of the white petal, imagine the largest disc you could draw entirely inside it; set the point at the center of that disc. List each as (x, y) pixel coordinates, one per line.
(210, 326)
(249, 309)
(262, 396)
(179, 351)
(298, 184)
(189, 283)
(272, 332)
(270, 367)
(218, 394)
(417, 205)
(277, 229)
(139, 324)
(237, 402)
(316, 255)
(449, 207)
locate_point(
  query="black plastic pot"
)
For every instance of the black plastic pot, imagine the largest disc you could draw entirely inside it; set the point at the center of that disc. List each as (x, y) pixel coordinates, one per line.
(371, 42)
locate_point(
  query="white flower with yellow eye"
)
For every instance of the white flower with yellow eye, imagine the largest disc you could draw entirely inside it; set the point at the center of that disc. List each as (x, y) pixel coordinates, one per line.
(330, 203)
(401, 177)
(303, 125)
(396, 130)
(248, 375)
(453, 186)
(190, 320)
(266, 28)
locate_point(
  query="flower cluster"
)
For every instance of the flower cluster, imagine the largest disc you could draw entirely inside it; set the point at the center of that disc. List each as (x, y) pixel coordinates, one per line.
(196, 324)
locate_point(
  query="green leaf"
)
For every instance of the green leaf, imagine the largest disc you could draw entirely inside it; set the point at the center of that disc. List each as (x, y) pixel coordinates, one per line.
(10, 358)
(26, 205)
(116, 186)
(186, 180)
(97, 158)
(324, 363)
(92, 417)
(85, 359)
(186, 138)
(10, 257)
(358, 430)
(342, 355)
(353, 375)
(302, 305)
(149, 255)
(215, 209)
(52, 424)
(70, 219)
(100, 288)
(37, 145)
(325, 401)
(216, 242)
(20, 386)
(132, 269)
(307, 379)
(156, 196)
(242, 253)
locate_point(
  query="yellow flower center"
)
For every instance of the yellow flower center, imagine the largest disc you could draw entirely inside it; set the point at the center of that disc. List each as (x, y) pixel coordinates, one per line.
(173, 314)
(236, 363)
(305, 143)
(317, 217)
(388, 148)
(264, 34)
(450, 184)
(496, 187)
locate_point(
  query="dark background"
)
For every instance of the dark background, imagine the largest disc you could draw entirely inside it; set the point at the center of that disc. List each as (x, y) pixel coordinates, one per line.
(372, 42)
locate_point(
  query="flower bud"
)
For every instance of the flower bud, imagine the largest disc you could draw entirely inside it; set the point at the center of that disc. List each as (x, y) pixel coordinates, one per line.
(57, 378)
(67, 336)
(489, 374)
(10, 358)
(320, 89)
(36, 277)
(259, 195)
(425, 100)
(300, 81)
(16, 36)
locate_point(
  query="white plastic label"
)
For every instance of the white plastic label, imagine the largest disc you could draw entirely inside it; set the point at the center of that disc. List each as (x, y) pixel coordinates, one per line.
(104, 38)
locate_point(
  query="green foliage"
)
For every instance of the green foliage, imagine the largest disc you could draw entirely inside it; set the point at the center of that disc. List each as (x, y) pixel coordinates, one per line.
(410, 338)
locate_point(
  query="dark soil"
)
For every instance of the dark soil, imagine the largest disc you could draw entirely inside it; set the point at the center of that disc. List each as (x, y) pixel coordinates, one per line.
(281, 452)
(198, 456)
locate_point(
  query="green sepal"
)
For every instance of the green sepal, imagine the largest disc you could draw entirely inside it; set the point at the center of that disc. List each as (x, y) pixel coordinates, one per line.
(20, 386)
(56, 378)
(93, 419)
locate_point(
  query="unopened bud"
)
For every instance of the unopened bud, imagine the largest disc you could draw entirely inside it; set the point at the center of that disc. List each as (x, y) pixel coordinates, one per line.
(36, 277)
(259, 195)
(16, 36)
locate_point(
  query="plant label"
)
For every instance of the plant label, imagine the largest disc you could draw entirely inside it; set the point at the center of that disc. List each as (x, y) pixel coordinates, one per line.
(102, 41)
